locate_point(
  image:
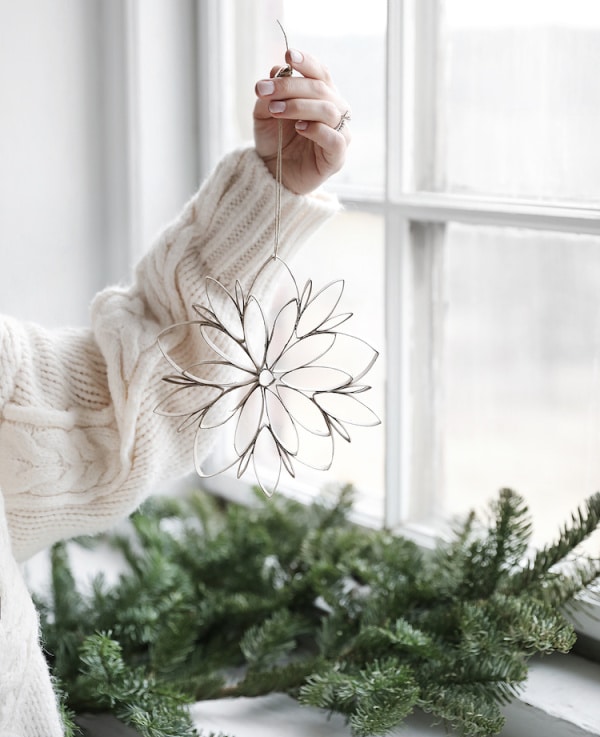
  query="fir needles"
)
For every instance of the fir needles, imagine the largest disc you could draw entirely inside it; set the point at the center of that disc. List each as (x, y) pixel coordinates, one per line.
(297, 599)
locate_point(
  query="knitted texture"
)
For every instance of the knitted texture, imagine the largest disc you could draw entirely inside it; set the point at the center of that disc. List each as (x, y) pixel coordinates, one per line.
(80, 444)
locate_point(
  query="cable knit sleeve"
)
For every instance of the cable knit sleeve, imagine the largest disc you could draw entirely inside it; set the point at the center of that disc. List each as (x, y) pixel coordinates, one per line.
(80, 444)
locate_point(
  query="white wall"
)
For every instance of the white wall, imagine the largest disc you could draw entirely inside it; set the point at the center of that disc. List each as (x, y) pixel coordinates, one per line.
(98, 122)
(50, 179)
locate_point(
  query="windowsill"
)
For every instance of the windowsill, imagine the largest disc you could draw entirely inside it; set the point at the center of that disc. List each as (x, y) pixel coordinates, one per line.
(560, 700)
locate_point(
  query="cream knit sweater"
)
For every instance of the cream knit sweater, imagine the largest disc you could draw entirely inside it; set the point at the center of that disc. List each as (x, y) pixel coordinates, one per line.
(80, 445)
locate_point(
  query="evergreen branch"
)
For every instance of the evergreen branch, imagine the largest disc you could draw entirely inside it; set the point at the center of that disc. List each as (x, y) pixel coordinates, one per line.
(583, 523)
(354, 621)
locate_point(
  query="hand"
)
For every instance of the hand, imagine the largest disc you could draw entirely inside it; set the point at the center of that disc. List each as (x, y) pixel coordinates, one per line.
(311, 109)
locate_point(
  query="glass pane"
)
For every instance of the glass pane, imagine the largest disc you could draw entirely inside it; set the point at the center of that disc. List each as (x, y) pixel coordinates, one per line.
(346, 35)
(521, 356)
(520, 99)
(337, 251)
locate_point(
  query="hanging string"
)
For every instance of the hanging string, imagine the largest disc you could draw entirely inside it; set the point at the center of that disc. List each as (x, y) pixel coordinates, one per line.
(285, 71)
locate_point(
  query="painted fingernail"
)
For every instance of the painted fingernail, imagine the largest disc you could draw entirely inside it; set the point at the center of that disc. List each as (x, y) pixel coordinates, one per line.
(301, 125)
(277, 106)
(265, 87)
(296, 56)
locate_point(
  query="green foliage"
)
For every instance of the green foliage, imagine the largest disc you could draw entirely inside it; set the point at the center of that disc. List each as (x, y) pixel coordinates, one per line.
(219, 600)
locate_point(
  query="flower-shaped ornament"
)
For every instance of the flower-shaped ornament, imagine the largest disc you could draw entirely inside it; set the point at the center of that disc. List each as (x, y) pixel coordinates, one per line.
(280, 380)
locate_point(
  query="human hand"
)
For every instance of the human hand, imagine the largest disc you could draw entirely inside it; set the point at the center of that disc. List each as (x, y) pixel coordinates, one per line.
(314, 115)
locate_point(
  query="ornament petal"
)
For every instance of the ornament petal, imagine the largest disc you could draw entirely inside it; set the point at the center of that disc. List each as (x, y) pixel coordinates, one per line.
(186, 400)
(225, 346)
(335, 321)
(255, 332)
(281, 423)
(224, 307)
(346, 408)
(222, 457)
(205, 372)
(206, 315)
(306, 292)
(320, 308)
(303, 410)
(274, 277)
(223, 409)
(179, 343)
(267, 462)
(305, 351)
(283, 331)
(316, 378)
(315, 451)
(352, 355)
(249, 421)
(287, 463)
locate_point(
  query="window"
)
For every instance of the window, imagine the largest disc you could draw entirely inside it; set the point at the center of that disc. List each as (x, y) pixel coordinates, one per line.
(479, 217)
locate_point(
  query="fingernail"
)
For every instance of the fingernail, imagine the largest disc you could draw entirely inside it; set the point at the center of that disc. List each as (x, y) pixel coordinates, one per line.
(265, 87)
(301, 125)
(277, 106)
(296, 56)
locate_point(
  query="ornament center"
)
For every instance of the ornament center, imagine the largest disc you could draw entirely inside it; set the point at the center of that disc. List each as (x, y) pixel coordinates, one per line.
(266, 378)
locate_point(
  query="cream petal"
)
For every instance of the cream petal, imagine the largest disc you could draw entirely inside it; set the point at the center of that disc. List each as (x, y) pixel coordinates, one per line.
(352, 355)
(211, 455)
(346, 408)
(255, 332)
(226, 347)
(207, 316)
(335, 321)
(275, 279)
(205, 372)
(316, 378)
(320, 308)
(221, 410)
(224, 307)
(287, 463)
(306, 292)
(305, 351)
(249, 421)
(283, 331)
(303, 410)
(267, 462)
(180, 343)
(339, 428)
(244, 463)
(281, 423)
(315, 451)
(239, 296)
(186, 400)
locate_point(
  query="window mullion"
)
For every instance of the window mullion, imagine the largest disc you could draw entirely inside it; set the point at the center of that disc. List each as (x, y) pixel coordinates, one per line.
(413, 258)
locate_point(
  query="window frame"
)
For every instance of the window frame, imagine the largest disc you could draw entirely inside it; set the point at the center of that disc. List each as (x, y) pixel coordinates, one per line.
(416, 214)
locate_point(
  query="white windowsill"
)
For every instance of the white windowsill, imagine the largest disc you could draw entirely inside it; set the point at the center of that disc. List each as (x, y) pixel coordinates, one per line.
(560, 700)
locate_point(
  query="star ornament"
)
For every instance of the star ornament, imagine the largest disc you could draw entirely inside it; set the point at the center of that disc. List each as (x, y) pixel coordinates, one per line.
(288, 380)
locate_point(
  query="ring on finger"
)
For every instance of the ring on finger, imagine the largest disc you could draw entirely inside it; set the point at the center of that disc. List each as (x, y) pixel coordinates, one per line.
(342, 121)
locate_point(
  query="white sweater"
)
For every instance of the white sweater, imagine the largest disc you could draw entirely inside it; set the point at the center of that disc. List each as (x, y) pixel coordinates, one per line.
(80, 444)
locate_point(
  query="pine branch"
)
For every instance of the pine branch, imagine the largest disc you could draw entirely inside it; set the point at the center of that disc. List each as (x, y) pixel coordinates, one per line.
(583, 523)
(354, 621)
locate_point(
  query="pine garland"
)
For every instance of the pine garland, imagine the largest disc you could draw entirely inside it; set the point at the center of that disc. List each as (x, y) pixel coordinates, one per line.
(297, 599)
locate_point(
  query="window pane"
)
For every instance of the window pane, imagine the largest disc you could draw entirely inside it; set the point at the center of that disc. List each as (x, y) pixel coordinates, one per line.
(521, 354)
(350, 247)
(349, 37)
(520, 98)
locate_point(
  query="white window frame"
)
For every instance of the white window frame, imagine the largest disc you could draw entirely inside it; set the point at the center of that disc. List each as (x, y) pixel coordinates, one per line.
(416, 215)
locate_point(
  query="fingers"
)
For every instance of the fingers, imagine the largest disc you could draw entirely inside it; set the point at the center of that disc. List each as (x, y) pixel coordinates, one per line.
(311, 99)
(308, 66)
